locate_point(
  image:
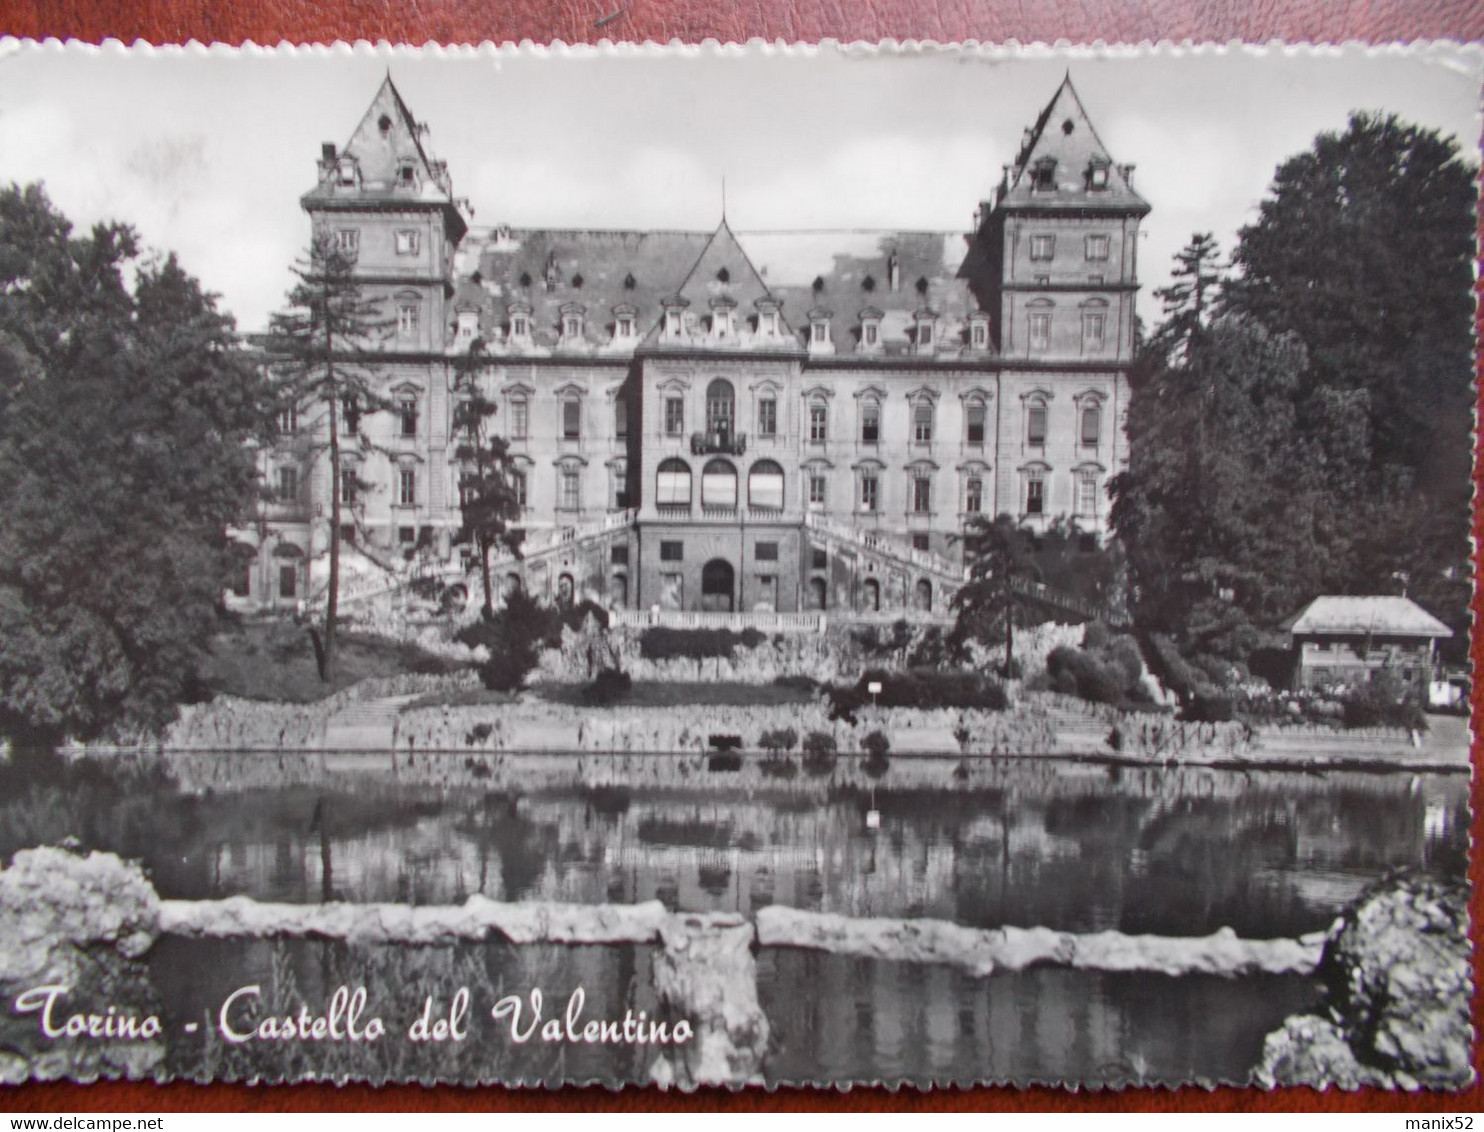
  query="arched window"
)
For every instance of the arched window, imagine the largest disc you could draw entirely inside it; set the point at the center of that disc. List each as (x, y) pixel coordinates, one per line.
(718, 484)
(721, 405)
(672, 484)
(765, 485)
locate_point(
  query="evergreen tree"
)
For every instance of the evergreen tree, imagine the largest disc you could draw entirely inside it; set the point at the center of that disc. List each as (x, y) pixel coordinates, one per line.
(1187, 301)
(324, 353)
(127, 418)
(1000, 559)
(488, 499)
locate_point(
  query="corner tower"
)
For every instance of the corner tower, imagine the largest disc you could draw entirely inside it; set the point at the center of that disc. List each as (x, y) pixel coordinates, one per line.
(1057, 271)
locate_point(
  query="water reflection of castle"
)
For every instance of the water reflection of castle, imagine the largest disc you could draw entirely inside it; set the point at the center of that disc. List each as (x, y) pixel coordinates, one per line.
(1167, 851)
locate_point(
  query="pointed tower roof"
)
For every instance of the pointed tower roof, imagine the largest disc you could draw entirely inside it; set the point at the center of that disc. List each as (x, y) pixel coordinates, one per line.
(387, 136)
(1058, 163)
(723, 271)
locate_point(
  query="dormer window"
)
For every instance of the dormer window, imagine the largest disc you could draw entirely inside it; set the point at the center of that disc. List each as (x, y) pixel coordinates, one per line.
(520, 322)
(979, 331)
(675, 317)
(767, 318)
(721, 317)
(345, 172)
(819, 328)
(870, 329)
(623, 322)
(407, 174)
(1043, 175)
(1097, 175)
(573, 318)
(926, 333)
(468, 325)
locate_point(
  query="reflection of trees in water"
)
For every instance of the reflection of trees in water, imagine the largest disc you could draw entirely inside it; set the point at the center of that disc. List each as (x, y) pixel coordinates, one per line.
(520, 847)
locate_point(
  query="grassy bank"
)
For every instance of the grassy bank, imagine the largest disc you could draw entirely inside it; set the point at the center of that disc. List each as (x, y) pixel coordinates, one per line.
(274, 661)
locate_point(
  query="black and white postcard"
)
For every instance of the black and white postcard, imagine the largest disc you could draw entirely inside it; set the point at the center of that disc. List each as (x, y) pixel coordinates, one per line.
(752, 565)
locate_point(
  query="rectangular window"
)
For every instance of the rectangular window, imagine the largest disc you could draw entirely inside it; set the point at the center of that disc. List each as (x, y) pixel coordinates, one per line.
(1097, 247)
(406, 534)
(870, 333)
(1043, 247)
(871, 424)
(1094, 326)
(571, 327)
(288, 421)
(1041, 330)
(1092, 425)
(288, 581)
(625, 328)
(620, 488)
(1035, 497)
(518, 484)
(571, 489)
(674, 416)
(922, 424)
(407, 487)
(980, 334)
(242, 583)
(571, 419)
(922, 542)
(925, 334)
(619, 555)
(350, 415)
(974, 495)
(819, 559)
(520, 419)
(819, 332)
(407, 241)
(1035, 425)
(348, 241)
(288, 485)
(406, 320)
(672, 551)
(818, 424)
(1087, 493)
(975, 433)
(817, 490)
(870, 491)
(407, 411)
(922, 495)
(767, 417)
(347, 485)
(765, 551)
(621, 418)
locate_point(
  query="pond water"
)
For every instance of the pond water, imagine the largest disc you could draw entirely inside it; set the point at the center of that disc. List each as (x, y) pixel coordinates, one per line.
(1065, 845)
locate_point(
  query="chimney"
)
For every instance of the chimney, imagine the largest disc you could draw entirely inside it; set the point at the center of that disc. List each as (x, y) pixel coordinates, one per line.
(327, 152)
(1128, 174)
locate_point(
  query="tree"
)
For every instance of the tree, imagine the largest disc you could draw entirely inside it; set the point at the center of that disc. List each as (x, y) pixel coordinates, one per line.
(1364, 250)
(1188, 299)
(127, 419)
(488, 499)
(1000, 558)
(323, 350)
(513, 637)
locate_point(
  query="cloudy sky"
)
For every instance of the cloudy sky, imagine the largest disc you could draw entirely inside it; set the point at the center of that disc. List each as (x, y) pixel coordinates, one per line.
(206, 153)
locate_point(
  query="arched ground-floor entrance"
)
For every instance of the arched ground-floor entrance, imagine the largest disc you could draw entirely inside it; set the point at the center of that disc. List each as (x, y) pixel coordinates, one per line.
(718, 586)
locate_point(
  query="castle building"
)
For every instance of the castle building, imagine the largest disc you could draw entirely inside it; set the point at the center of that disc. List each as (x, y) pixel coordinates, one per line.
(723, 422)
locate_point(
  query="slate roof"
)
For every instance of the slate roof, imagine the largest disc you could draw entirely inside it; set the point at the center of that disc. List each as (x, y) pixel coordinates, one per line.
(1355, 616)
(844, 271)
(386, 136)
(1064, 134)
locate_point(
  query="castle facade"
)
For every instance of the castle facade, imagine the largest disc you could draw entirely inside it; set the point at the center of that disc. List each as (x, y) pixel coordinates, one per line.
(718, 422)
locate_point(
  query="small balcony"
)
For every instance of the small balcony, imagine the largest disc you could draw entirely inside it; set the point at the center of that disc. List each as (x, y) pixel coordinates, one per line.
(718, 443)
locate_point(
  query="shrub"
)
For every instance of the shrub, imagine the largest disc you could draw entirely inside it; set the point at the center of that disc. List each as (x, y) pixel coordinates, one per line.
(920, 688)
(875, 765)
(724, 742)
(726, 763)
(1173, 671)
(608, 687)
(962, 735)
(779, 739)
(478, 734)
(778, 766)
(876, 743)
(1096, 635)
(659, 643)
(1383, 702)
(819, 743)
(513, 637)
(1109, 676)
(798, 682)
(573, 616)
